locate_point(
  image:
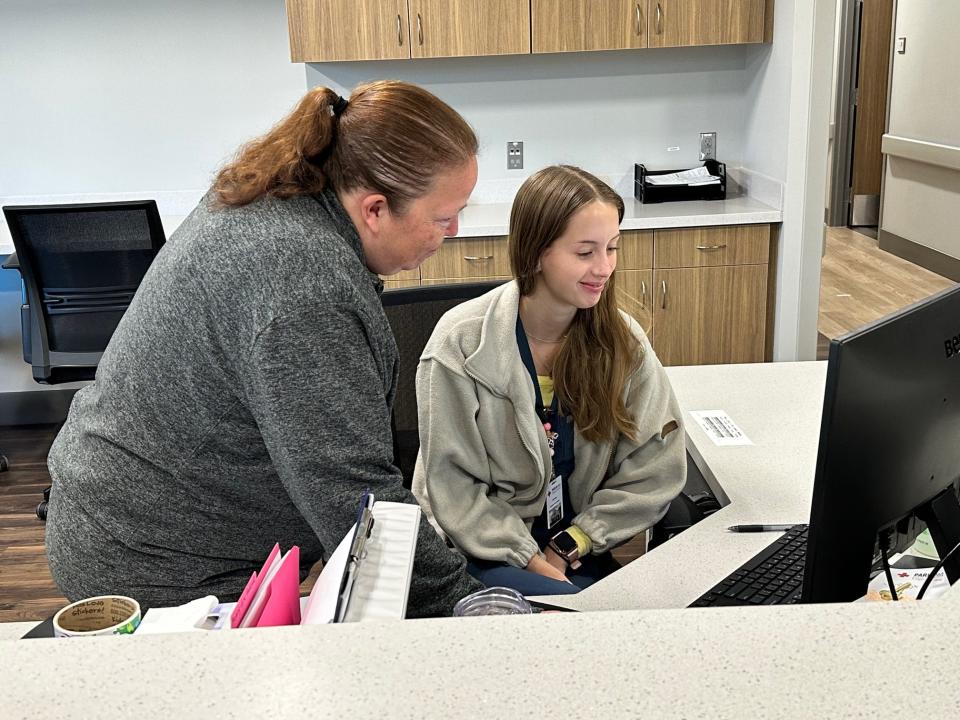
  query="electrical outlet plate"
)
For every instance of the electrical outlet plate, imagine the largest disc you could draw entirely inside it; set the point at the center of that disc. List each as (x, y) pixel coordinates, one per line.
(515, 155)
(708, 146)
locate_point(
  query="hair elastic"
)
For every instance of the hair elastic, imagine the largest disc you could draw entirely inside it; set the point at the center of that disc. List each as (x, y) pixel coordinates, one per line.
(339, 105)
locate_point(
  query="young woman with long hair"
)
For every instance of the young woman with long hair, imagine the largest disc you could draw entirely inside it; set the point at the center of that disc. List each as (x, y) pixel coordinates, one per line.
(549, 431)
(245, 397)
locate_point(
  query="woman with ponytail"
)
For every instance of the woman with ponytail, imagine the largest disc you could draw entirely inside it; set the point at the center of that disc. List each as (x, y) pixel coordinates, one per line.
(245, 397)
(549, 431)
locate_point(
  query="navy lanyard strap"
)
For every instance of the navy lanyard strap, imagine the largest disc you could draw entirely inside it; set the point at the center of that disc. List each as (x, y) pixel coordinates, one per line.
(545, 414)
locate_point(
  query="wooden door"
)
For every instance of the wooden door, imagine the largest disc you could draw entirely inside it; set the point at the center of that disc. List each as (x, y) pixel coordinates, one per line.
(871, 110)
(333, 30)
(710, 315)
(673, 23)
(576, 25)
(457, 28)
(635, 296)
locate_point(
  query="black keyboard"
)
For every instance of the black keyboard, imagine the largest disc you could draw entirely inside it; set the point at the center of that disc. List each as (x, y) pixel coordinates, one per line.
(774, 576)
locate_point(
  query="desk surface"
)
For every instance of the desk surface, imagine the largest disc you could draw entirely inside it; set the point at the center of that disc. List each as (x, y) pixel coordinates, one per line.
(800, 661)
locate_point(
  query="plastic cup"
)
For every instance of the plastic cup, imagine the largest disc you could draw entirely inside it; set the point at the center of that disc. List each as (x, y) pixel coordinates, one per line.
(493, 601)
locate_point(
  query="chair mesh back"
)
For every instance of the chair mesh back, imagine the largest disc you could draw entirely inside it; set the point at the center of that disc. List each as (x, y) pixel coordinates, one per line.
(85, 262)
(91, 249)
(413, 313)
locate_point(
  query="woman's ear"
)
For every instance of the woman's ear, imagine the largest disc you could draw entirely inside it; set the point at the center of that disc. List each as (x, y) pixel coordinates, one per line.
(373, 209)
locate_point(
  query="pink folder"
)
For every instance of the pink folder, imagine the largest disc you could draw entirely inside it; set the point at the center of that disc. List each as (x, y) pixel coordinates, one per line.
(272, 596)
(253, 584)
(282, 606)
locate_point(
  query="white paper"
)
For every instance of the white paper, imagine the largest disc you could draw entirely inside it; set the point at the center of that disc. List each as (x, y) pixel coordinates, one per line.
(907, 583)
(694, 177)
(720, 428)
(188, 617)
(322, 603)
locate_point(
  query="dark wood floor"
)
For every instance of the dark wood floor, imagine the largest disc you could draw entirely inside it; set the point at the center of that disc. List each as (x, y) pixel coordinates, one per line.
(27, 592)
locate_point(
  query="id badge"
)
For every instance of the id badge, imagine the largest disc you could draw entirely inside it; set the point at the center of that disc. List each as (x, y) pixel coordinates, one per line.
(554, 501)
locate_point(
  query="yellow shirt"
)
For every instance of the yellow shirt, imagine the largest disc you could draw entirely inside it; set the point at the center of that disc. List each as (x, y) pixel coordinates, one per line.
(546, 389)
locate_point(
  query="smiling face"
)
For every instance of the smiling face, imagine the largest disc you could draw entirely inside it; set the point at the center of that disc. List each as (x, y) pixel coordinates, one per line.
(404, 241)
(575, 268)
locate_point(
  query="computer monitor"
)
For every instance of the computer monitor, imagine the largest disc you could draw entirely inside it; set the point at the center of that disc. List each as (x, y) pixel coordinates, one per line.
(889, 455)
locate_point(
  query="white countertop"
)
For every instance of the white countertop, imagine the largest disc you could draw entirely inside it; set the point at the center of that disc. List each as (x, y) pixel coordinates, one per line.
(778, 406)
(837, 660)
(493, 218)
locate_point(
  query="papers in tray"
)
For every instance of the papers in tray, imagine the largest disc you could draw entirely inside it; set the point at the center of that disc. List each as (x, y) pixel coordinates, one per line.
(694, 177)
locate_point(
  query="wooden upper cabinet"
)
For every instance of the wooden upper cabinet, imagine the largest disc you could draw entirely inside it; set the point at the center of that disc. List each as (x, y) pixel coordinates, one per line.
(457, 28)
(672, 23)
(575, 25)
(333, 30)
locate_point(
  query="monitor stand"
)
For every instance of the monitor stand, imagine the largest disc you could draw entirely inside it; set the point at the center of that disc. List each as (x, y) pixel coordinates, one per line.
(942, 516)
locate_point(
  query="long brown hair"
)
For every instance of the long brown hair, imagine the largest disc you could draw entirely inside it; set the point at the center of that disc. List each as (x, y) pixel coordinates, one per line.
(600, 353)
(392, 138)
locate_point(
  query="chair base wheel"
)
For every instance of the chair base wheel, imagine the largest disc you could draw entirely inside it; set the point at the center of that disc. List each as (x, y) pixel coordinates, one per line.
(42, 511)
(4, 464)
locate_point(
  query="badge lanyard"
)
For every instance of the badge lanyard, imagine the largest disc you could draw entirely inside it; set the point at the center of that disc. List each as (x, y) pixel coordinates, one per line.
(546, 414)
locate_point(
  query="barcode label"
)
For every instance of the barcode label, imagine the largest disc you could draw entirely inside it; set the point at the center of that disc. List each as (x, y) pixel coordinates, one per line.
(720, 428)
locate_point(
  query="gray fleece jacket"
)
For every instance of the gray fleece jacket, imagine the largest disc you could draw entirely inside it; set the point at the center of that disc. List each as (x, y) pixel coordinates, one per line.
(243, 400)
(484, 462)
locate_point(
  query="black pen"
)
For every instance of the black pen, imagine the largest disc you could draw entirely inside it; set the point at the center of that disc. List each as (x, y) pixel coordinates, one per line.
(758, 528)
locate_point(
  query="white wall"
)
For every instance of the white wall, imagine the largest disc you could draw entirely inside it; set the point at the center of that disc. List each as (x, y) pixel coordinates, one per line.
(920, 201)
(602, 111)
(787, 123)
(109, 96)
(117, 97)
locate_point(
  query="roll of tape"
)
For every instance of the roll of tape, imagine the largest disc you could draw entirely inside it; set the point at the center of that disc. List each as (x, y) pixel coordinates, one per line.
(101, 615)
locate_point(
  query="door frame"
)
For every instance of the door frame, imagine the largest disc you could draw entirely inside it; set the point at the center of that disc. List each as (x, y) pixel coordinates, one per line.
(844, 113)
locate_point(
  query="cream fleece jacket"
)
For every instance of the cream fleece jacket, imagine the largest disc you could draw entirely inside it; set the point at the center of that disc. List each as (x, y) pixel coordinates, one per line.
(484, 463)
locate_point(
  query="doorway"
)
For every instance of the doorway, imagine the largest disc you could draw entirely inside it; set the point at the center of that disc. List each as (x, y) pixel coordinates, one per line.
(863, 70)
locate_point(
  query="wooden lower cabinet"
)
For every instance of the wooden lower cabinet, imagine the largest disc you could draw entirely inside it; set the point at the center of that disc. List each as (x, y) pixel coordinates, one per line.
(634, 288)
(700, 294)
(705, 316)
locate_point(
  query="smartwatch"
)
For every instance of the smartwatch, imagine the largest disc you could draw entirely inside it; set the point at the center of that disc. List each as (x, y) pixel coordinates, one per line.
(564, 545)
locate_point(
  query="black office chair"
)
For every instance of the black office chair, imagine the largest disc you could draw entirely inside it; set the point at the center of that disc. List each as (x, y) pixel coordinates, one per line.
(81, 265)
(413, 313)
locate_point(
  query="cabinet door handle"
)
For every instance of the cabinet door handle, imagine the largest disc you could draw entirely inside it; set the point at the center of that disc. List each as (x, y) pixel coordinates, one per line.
(659, 20)
(663, 288)
(639, 32)
(711, 247)
(477, 258)
(643, 293)
(419, 29)
(399, 31)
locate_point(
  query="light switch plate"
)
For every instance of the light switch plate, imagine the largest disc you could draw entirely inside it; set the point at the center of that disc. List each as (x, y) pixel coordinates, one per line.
(515, 155)
(708, 146)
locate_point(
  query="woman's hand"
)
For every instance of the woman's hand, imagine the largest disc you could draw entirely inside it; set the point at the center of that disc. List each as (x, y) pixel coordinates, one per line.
(539, 564)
